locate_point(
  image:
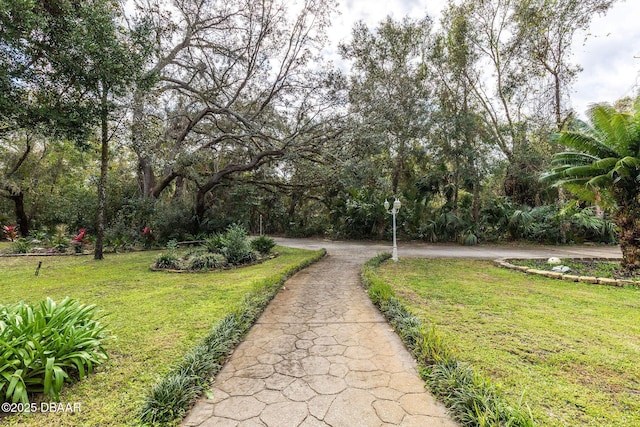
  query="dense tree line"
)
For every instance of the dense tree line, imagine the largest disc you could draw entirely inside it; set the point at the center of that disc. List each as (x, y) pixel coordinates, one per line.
(186, 116)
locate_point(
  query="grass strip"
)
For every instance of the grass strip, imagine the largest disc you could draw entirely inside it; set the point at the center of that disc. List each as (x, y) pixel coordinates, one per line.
(471, 398)
(170, 398)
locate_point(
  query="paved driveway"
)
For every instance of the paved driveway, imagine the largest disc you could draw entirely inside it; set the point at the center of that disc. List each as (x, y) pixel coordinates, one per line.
(363, 249)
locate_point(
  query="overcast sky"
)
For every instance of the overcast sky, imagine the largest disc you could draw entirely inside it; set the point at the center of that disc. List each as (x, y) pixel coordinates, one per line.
(608, 57)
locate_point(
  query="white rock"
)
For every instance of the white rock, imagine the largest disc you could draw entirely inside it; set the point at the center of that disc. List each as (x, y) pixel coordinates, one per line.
(554, 260)
(561, 269)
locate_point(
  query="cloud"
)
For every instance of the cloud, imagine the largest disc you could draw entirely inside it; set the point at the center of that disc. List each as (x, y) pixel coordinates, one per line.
(608, 57)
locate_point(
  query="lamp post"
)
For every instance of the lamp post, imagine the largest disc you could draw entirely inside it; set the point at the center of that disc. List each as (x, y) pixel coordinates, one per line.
(393, 212)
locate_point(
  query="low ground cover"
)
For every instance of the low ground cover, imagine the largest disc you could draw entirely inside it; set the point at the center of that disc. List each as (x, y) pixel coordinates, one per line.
(155, 318)
(598, 268)
(569, 350)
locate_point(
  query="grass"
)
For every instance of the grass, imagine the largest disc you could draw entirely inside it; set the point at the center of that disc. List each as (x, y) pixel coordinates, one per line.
(472, 399)
(155, 318)
(570, 350)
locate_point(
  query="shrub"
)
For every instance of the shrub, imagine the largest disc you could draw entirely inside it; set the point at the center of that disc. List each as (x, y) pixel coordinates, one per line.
(215, 243)
(193, 252)
(40, 237)
(237, 248)
(263, 244)
(10, 232)
(21, 246)
(147, 238)
(60, 241)
(167, 260)
(207, 261)
(45, 346)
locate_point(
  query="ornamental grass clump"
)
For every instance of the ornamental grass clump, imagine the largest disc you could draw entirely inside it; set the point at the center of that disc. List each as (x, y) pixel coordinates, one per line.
(169, 261)
(45, 346)
(206, 261)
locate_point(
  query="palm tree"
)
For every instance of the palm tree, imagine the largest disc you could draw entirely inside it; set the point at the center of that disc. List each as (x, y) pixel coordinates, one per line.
(605, 168)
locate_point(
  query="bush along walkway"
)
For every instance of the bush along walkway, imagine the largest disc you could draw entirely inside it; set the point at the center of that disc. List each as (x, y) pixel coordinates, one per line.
(472, 399)
(321, 354)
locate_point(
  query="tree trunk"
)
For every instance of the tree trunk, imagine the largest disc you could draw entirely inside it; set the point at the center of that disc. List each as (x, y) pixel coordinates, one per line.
(102, 185)
(476, 200)
(21, 214)
(200, 210)
(147, 178)
(179, 191)
(628, 219)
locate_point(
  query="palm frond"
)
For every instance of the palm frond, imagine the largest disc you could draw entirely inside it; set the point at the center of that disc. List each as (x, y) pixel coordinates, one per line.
(599, 181)
(587, 143)
(573, 158)
(581, 171)
(581, 191)
(625, 168)
(614, 126)
(605, 164)
(553, 176)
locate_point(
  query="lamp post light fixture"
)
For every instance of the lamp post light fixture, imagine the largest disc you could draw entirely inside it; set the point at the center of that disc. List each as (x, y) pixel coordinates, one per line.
(393, 212)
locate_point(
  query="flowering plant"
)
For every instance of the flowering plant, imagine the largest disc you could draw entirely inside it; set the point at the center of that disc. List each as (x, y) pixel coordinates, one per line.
(79, 240)
(147, 237)
(10, 232)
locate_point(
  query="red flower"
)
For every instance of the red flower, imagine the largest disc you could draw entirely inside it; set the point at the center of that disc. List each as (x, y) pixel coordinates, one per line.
(146, 230)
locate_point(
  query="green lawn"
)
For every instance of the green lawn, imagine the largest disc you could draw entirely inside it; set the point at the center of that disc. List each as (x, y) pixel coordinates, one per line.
(570, 349)
(155, 317)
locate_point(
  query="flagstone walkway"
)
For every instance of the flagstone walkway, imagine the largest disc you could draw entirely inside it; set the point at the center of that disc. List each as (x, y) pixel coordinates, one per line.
(320, 355)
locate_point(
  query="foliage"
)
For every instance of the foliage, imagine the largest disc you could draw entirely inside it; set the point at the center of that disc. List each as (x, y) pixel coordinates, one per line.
(41, 237)
(60, 241)
(604, 169)
(21, 246)
(168, 260)
(471, 397)
(47, 345)
(147, 238)
(206, 261)
(236, 246)
(215, 243)
(231, 247)
(169, 399)
(263, 244)
(79, 240)
(389, 90)
(10, 232)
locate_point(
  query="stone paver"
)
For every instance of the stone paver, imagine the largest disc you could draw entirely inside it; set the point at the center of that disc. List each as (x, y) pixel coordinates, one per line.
(320, 355)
